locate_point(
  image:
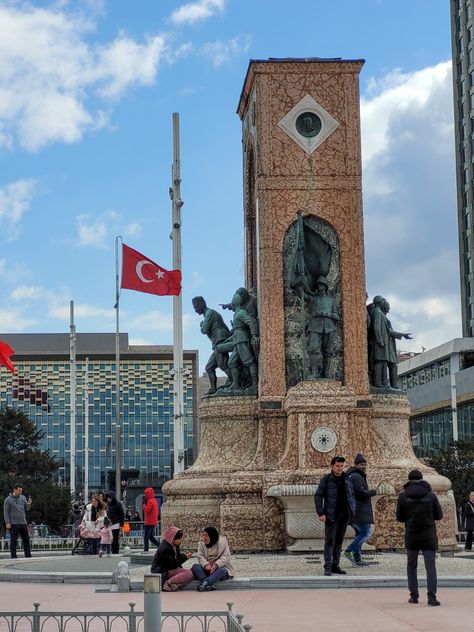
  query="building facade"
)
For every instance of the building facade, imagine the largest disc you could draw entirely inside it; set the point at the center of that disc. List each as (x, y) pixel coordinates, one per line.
(463, 77)
(440, 386)
(41, 387)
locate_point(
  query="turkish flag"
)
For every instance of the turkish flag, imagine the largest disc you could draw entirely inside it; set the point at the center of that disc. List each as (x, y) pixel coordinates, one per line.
(144, 275)
(5, 352)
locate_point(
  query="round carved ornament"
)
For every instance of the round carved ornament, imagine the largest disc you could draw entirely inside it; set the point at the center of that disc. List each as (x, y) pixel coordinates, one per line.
(324, 439)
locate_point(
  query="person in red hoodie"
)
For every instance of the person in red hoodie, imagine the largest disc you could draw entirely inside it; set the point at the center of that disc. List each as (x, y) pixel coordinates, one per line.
(150, 516)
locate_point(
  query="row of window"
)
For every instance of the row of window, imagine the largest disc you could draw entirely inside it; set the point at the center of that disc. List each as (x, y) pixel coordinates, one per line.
(426, 374)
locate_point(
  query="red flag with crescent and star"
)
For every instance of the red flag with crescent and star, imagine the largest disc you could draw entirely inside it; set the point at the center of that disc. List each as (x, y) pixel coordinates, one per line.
(144, 275)
(5, 352)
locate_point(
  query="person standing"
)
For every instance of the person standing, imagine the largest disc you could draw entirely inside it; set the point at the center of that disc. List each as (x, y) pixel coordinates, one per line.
(418, 507)
(468, 521)
(150, 515)
(15, 507)
(335, 505)
(363, 518)
(117, 517)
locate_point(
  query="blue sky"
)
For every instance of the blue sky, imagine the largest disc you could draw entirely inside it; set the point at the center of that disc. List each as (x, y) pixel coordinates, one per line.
(87, 92)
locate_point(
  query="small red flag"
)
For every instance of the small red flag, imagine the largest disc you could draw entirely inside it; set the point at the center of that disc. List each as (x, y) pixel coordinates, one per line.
(144, 275)
(5, 352)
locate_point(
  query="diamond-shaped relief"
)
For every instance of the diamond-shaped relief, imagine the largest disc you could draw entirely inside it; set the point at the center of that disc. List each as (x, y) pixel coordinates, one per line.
(308, 124)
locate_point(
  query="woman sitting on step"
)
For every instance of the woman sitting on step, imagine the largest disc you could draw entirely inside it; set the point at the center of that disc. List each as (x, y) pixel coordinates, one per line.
(214, 561)
(168, 561)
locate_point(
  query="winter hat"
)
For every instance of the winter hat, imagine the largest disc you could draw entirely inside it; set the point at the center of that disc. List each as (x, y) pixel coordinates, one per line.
(360, 458)
(415, 475)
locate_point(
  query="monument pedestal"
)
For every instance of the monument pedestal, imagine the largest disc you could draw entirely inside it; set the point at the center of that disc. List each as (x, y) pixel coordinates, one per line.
(273, 509)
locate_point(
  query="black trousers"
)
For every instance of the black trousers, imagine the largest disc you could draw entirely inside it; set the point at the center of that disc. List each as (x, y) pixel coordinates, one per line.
(22, 531)
(334, 533)
(115, 540)
(430, 565)
(149, 537)
(468, 544)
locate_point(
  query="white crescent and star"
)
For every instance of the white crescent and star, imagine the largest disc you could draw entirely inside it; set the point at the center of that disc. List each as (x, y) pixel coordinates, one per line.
(159, 273)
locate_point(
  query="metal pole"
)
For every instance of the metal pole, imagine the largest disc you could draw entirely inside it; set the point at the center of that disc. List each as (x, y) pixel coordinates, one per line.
(86, 432)
(72, 408)
(177, 306)
(152, 603)
(454, 407)
(118, 429)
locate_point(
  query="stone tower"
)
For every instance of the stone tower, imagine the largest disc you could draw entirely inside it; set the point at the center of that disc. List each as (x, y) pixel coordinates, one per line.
(260, 458)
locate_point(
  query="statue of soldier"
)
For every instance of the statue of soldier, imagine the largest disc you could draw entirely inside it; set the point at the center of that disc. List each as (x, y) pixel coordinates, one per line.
(214, 327)
(321, 329)
(242, 342)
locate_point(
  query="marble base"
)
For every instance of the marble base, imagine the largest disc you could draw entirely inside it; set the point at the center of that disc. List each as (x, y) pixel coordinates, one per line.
(256, 473)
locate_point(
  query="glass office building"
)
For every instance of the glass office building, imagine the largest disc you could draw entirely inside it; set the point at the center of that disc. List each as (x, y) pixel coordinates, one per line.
(41, 387)
(462, 31)
(440, 386)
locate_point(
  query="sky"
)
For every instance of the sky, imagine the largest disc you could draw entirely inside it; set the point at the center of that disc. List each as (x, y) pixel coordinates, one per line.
(87, 92)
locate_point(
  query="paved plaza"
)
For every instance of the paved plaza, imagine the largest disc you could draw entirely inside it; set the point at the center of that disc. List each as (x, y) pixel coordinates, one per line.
(373, 597)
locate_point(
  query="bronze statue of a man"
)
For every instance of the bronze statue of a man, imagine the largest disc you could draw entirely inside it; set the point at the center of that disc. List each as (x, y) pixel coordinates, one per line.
(321, 329)
(214, 327)
(242, 342)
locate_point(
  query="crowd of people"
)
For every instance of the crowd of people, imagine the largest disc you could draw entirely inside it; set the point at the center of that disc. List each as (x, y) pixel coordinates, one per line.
(342, 498)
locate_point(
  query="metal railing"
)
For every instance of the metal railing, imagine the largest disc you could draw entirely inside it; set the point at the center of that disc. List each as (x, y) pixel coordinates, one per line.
(42, 539)
(126, 621)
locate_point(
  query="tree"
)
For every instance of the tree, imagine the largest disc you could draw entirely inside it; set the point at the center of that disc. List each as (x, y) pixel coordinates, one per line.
(22, 461)
(456, 462)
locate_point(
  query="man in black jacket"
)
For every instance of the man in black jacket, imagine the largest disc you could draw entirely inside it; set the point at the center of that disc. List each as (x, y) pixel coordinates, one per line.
(116, 516)
(418, 507)
(335, 505)
(363, 518)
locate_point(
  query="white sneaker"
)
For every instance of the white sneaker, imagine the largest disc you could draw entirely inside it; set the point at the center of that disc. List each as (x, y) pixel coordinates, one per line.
(109, 554)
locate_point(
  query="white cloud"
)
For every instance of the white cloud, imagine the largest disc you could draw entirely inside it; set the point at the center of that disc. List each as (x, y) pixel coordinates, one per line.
(99, 232)
(15, 200)
(50, 74)
(27, 292)
(196, 11)
(221, 52)
(82, 310)
(13, 320)
(410, 201)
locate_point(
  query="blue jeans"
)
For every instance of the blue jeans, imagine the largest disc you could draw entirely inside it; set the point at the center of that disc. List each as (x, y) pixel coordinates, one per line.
(217, 576)
(363, 532)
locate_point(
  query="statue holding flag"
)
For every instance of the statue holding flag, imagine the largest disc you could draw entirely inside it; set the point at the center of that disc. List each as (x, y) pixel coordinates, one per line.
(313, 325)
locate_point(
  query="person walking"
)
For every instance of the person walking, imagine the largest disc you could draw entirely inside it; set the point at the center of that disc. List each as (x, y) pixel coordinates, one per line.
(468, 521)
(335, 505)
(214, 561)
(168, 561)
(363, 518)
(418, 507)
(15, 507)
(116, 516)
(150, 515)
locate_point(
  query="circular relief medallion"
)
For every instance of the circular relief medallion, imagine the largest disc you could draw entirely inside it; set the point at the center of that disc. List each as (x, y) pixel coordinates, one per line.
(324, 439)
(308, 124)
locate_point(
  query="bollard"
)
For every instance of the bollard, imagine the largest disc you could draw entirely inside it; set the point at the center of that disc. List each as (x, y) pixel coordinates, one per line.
(152, 603)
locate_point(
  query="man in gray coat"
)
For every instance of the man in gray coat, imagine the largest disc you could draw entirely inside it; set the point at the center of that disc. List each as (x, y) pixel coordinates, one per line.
(15, 507)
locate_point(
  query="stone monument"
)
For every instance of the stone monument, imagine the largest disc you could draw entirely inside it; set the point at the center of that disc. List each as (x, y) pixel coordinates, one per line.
(262, 456)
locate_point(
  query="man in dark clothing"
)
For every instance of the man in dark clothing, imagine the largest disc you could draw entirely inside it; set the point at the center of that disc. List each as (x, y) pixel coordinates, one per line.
(418, 507)
(15, 507)
(117, 518)
(335, 505)
(363, 518)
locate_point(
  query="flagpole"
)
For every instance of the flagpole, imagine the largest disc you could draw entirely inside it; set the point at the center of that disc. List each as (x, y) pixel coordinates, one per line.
(118, 428)
(86, 432)
(72, 396)
(178, 369)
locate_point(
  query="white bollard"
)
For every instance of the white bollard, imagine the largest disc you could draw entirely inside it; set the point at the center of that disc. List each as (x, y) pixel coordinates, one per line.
(152, 603)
